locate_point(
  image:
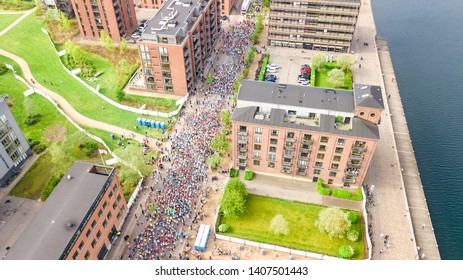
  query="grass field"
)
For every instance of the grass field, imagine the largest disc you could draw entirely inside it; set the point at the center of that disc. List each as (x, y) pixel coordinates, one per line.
(303, 234)
(7, 19)
(27, 36)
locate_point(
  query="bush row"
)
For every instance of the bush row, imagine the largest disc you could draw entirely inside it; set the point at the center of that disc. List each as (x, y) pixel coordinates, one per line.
(248, 175)
(348, 195)
(259, 27)
(322, 190)
(263, 68)
(234, 172)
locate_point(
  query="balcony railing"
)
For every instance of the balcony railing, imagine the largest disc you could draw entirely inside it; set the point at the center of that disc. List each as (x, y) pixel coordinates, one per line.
(290, 140)
(285, 171)
(351, 173)
(242, 149)
(356, 157)
(242, 156)
(307, 141)
(354, 165)
(304, 150)
(304, 157)
(242, 141)
(301, 173)
(284, 163)
(242, 164)
(243, 133)
(349, 180)
(359, 149)
(288, 156)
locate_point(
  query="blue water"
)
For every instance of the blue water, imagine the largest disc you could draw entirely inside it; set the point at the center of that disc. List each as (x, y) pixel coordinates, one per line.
(425, 40)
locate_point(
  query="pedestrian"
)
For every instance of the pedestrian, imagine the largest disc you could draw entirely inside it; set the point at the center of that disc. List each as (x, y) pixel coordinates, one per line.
(360, 65)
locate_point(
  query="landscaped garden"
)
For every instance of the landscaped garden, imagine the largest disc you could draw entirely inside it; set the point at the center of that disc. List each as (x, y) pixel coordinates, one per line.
(16, 5)
(28, 36)
(334, 74)
(297, 228)
(7, 19)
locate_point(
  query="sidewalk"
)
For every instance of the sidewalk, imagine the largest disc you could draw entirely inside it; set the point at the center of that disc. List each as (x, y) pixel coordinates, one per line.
(26, 13)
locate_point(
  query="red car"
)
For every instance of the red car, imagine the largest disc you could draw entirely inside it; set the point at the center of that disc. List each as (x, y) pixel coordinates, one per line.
(306, 69)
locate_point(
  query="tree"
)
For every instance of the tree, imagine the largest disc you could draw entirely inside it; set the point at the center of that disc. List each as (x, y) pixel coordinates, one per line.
(220, 143)
(346, 252)
(233, 202)
(120, 95)
(123, 46)
(225, 119)
(336, 77)
(333, 221)
(318, 61)
(65, 22)
(107, 41)
(213, 161)
(353, 235)
(133, 155)
(224, 228)
(3, 68)
(279, 225)
(345, 61)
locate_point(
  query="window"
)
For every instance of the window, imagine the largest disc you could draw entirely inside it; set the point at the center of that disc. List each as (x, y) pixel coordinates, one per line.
(122, 209)
(330, 181)
(324, 139)
(341, 142)
(118, 198)
(272, 157)
(110, 195)
(322, 148)
(320, 156)
(81, 245)
(362, 114)
(93, 243)
(339, 150)
(105, 204)
(100, 213)
(114, 205)
(307, 136)
(290, 135)
(332, 174)
(162, 50)
(93, 224)
(372, 115)
(258, 130)
(257, 147)
(74, 257)
(119, 215)
(256, 155)
(98, 234)
(87, 234)
(334, 166)
(273, 141)
(109, 216)
(87, 255)
(318, 164)
(317, 171)
(105, 223)
(258, 139)
(256, 162)
(242, 128)
(273, 149)
(303, 162)
(274, 132)
(271, 164)
(337, 158)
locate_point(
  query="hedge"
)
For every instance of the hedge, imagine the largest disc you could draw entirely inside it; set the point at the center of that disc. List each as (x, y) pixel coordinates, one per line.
(263, 69)
(248, 175)
(322, 190)
(234, 172)
(348, 195)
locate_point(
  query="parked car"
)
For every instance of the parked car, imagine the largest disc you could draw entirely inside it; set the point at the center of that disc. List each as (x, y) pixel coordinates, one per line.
(270, 81)
(305, 76)
(306, 70)
(224, 18)
(271, 76)
(271, 70)
(305, 83)
(273, 65)
(302, 79)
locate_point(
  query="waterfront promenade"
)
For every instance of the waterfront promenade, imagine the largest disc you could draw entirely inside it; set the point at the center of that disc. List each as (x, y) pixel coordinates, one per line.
(400, 209)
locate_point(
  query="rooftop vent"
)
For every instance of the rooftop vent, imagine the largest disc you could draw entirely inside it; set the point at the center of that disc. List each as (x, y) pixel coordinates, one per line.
(364, 87)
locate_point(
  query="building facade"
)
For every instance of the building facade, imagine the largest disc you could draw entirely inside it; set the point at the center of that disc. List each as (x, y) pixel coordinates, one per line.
(63, 5)
(326, 25)
(225, 6)
(306, 132)
(14, 149)
(176, 44)
(78, 221)
(117, 18)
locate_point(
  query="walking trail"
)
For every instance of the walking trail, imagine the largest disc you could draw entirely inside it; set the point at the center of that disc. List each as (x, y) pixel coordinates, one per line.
(26, 13)
(68, 109)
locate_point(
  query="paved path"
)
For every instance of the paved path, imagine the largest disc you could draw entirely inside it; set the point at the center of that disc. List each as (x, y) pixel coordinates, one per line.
(68, 109)
(390, 176)
(26, 13)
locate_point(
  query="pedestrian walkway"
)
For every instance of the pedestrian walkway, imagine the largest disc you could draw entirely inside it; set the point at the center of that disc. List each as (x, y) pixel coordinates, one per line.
(26, 13)
(68, 109)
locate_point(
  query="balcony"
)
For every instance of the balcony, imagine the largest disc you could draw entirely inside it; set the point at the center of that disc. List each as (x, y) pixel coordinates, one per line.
(356, 157)
(286, 171)
(301, 173)
(242, 149)
(242, 133)
(351, 173)
(302, 166)
(301, 120)
(290, 140)
(284, 163)
(242, 156)
(349, 180)
(242, 164)
(359, 149)
(305, 150)
(304, 157)
(307, 141)
(288, 156)
(242, 141)
(354, 165)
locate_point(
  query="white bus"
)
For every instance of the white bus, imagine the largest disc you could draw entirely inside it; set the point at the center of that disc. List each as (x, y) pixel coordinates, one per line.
(245, 6)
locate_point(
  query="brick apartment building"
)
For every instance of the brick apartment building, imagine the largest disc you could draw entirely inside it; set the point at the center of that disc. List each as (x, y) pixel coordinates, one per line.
(306, 132)
(176, 44)
(224, 6)
(14, 148)
(117, 18)
(78, 221)
(326, 25)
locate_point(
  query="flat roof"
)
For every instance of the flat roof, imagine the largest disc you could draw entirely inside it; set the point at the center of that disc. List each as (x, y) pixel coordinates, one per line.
(172, 17)
(50, 231)
(368, 96)
(360, 128)
(297, 95)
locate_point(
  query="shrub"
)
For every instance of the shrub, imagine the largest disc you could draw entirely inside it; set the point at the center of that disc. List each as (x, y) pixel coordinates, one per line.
(248, 175)
(31, 120)
(346, 252)
(233, 202)
(263, 69)
(39, 148)
(339, 119)
(90, 147)
(352, 217)
(279, 225)
(213, 161)
(322, 190)
(224, 228)
(120, 95)
(348, 195)
(353, 235)
(49, 188)
(3, 68)
(234, 172)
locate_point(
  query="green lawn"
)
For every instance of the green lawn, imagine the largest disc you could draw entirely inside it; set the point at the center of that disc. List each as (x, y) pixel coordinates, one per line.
(7, 19)
(303, 234)
(28, 41)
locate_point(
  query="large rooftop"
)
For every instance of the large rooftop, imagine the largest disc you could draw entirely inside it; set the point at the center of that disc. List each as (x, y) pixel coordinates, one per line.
(58, 219)
(175, 18)
(368, 96)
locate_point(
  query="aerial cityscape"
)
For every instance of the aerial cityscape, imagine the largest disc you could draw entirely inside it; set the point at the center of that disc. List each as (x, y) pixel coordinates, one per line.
(207, 130)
